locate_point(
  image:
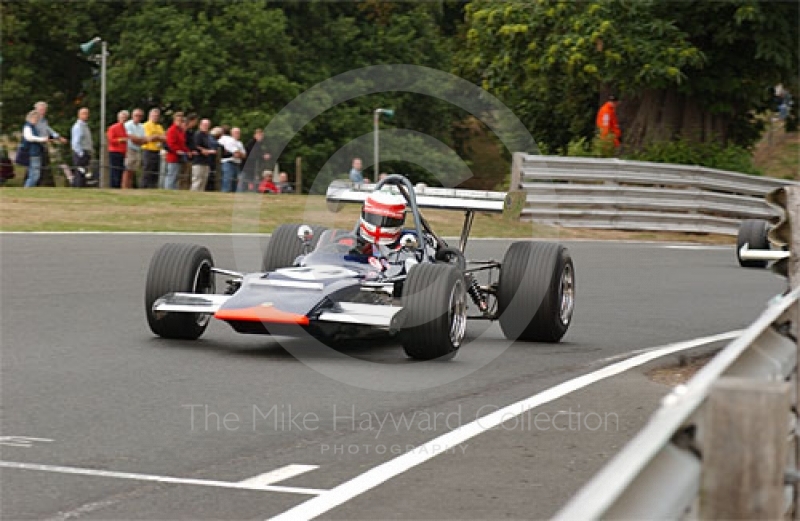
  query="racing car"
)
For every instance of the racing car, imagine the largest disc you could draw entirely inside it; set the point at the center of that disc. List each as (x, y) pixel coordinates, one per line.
(381, 277)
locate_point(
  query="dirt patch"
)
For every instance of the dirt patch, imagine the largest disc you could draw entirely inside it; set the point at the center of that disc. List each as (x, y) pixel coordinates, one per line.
(778, 153)
(680, 373)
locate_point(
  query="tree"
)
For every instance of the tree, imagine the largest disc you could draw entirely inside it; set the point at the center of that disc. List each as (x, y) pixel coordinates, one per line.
(42, 60)
(694, 69)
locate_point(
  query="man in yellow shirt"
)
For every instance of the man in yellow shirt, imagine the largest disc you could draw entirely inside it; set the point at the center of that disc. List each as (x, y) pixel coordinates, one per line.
(151, 150)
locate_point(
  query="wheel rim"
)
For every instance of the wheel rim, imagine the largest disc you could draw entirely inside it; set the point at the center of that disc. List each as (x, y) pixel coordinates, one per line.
(204, 284)
(458, 314)
(567, 294)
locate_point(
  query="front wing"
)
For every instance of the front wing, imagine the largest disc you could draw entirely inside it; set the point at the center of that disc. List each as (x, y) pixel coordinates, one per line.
(373, 315)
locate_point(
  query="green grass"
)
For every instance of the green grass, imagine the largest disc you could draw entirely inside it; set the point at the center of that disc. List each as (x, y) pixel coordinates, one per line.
(61, 209)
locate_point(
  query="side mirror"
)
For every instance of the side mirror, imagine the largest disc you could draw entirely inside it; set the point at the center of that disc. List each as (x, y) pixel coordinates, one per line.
(408, 242)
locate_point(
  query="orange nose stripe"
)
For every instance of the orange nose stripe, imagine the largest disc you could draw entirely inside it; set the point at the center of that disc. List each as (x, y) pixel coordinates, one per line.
(262, 314)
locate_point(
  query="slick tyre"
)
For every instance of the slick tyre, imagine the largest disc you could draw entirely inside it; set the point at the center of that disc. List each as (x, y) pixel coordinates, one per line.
(284, 246)
(178, 268)
(435, 306)
(752, 232)
(536, 292)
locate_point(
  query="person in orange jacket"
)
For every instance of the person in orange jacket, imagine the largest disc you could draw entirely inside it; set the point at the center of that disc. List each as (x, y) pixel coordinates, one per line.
(607, 121)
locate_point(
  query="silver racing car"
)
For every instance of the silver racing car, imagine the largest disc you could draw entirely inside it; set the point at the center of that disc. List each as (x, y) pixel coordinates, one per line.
(381, 277)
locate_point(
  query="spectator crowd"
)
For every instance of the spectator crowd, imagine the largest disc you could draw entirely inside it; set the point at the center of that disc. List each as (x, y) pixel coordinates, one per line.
(189, 154)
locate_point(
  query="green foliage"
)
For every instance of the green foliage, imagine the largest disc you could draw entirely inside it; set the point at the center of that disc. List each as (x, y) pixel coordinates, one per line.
(597, 147)
(238, 63)
(553, 60)
(712, 155)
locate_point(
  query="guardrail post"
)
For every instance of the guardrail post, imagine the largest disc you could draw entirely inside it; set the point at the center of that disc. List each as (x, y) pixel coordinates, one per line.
(516, 171)
(793, 218)
(744, 465)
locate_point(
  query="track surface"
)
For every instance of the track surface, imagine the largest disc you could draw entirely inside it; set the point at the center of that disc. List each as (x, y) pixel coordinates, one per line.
(81, 368)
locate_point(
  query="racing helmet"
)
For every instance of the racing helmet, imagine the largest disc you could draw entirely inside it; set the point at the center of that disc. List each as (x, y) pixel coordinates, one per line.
(382, 218)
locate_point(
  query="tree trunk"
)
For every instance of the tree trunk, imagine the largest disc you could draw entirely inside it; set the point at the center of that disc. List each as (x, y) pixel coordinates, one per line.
(663, 115)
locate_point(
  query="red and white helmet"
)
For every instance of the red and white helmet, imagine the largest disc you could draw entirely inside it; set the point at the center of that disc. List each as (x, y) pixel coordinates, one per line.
(382, 218)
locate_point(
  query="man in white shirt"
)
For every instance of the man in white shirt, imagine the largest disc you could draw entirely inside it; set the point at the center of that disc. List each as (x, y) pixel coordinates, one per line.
(43, 128)
(232, 156)
(133, 155)
(81, 139)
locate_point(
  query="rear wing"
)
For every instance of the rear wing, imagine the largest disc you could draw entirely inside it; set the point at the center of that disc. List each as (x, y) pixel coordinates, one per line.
(340, 192)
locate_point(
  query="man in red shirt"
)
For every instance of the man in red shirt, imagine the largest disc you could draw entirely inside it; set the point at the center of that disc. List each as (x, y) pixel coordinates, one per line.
(177, 151)
(607, 121)
(117, 147)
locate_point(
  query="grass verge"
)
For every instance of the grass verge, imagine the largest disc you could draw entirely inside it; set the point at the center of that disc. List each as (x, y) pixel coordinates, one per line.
(59, 209)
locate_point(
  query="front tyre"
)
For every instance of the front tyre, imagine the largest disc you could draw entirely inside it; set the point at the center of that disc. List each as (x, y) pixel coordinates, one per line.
(536, 292)
(435, 307)
(178, 268)
(284, 246)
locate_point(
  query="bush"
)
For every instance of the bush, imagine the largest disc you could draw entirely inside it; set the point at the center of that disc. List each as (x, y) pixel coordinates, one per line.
(597, 147)
(711, 155)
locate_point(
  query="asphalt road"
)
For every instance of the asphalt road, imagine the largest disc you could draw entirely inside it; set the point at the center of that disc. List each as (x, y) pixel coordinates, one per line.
(83, 375)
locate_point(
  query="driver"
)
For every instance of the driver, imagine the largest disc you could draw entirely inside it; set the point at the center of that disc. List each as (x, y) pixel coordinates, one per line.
(381, 222)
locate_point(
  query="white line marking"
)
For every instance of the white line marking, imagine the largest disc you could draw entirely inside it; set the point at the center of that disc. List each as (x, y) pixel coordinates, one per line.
(21, 441)
(385, 471)
(85, 509)
(448, 238)
(274, 476)
(159, 479)
(730, 335)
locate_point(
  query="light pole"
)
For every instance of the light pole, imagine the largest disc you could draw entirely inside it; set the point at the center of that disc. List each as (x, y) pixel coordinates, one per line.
(376, 120)
(86, 48)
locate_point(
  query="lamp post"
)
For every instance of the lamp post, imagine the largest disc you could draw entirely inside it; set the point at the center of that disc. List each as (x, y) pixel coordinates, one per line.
(376, 120)
(86, 48)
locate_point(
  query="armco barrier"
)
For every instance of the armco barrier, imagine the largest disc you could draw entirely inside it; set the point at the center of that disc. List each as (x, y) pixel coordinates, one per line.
(684, 450)
(725, 445)
(635, 195)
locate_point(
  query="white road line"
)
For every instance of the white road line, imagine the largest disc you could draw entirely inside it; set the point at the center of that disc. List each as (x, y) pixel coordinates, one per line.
(21, 441)
(274, 476)
(730, 335)
(84, 509)
(384, 472)
(448, 238)
(159, 479)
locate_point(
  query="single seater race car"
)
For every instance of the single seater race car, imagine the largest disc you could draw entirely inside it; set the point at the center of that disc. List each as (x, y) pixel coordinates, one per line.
(378, 278)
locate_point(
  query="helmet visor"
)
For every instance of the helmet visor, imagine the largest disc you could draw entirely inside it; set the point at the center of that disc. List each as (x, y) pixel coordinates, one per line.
(382, 220)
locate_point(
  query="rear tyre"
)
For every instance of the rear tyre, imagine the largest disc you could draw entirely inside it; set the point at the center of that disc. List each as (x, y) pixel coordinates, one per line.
(536, 292)
(435, 307)
(752, 232)
(178, 268)
(284, 246)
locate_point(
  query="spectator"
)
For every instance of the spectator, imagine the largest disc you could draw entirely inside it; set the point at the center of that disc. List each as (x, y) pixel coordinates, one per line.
(34, 143)
(257, 157)
(190, 127)
(267, 186)
(81, 141)
(133, 157)
(43, 129)
(151, 150)
(204, 155)
(177, 152)
(383, 176)
(214, 168)
(355, 172)
(117, 148)
(234, 153)
(283, 184)
(607, 121)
